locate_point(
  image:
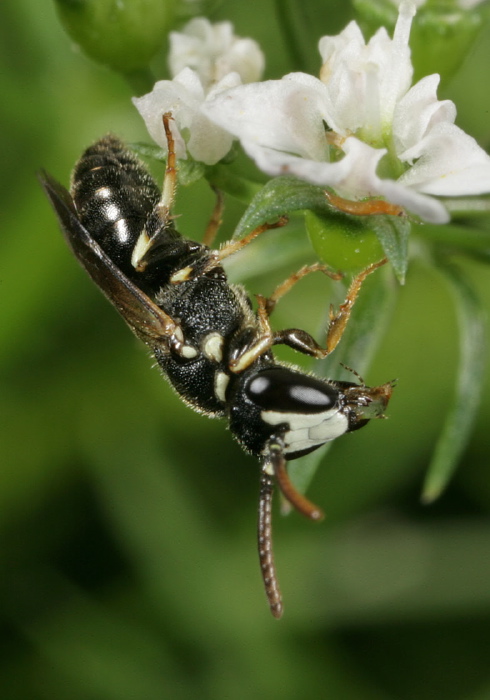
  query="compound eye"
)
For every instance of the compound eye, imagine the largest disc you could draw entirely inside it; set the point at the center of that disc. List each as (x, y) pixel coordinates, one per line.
(283, 390)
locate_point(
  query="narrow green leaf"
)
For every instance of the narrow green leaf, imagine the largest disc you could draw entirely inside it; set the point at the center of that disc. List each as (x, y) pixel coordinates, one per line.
(225, 179)
(462, 238)
(295, 23)
(148, 150)
(468, 207)
(393, 233)
(278, 197)
(363, 335)
(461, 416)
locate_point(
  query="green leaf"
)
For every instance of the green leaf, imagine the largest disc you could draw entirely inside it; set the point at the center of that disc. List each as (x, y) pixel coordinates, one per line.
(149, 150)
(467, 207)
(463, 239)
(280, 196)
(393, 233)
(461, 416)
(190, 171)
(364, 333)
(223, 178)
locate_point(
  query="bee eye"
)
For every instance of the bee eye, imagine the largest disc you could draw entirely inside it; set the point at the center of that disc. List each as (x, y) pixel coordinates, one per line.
(281, 389)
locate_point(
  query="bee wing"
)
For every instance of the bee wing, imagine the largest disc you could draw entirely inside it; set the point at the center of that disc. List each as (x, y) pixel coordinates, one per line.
(143, 316)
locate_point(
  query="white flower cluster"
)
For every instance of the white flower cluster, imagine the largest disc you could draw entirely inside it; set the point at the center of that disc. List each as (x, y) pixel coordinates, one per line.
(204, 61)
(361, 128)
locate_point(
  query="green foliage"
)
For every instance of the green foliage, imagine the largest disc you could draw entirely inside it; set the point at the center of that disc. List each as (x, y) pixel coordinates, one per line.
(473, 357)
(128, 561)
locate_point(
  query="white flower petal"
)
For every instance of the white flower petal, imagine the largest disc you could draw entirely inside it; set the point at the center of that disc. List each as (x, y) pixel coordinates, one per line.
(183, 97)
(284, 115)
(353, 175)
(275, 163)
(427, 208)
(450, 163)
(364, 182)
(417, 112)
(365, 97)
(316, 172)
(365, 81)
(213, 51)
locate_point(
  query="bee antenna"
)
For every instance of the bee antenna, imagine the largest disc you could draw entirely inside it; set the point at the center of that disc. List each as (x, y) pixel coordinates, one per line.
(266, 551)
(170, 179)
(356, 374)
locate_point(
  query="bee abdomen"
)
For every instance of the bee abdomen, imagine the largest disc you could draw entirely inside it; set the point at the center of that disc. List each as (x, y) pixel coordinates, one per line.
(114, 196)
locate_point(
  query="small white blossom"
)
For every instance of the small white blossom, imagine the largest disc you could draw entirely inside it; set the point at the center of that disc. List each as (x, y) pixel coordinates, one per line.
(193, 132)
(205, 59)
(386, 139)
(213, 51)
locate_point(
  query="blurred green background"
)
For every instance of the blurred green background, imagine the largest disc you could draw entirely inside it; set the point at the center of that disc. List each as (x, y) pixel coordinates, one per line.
(127, 522)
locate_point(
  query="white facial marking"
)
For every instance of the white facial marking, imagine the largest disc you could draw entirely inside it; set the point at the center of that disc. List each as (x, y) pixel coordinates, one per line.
(181, 275)
(329, 429)
(307, 430)
(212, 347)
(221, 381)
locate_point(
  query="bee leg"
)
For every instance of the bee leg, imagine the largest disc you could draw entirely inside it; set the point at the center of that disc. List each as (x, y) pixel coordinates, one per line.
(227, 249)
(216, 219)
(339, 319)
(163, 208)
(368, 207)
(302, 341)
(276, 460)
(232, 247)
(165, 205)
(284, 287)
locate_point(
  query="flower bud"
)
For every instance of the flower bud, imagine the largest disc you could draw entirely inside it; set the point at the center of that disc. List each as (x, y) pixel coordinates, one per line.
(344, 242)
(121, 35)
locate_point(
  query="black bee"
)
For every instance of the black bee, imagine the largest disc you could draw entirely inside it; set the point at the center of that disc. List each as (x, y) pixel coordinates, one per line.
(211, 346)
